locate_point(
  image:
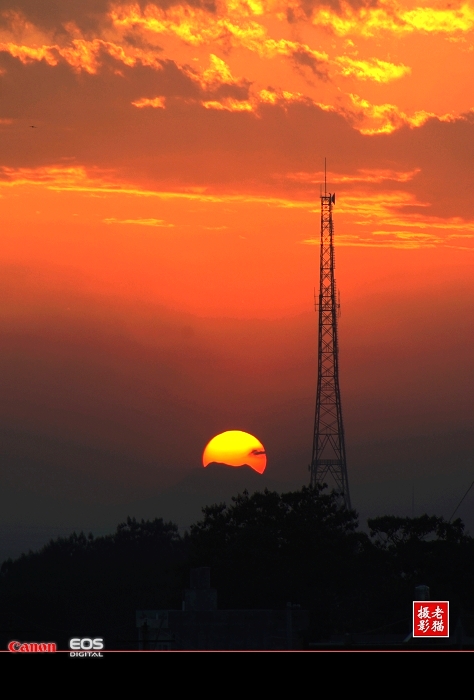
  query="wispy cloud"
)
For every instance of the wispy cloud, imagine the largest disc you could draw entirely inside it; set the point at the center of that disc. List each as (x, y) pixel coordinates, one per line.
(375, 176)
(79, 179)
(366, 217)
(157, 223)
(393, 219)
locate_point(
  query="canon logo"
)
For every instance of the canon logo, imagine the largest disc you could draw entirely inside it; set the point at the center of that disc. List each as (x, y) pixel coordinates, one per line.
(30, 647)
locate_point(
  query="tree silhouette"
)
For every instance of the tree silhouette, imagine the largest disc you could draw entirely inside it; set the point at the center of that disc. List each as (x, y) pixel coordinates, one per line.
(264, 550)
(426, 550)
(81, 585)
(267, 549)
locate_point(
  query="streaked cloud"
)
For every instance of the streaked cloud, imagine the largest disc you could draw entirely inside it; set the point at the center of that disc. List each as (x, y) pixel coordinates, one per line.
(157, 223)
(393, 219)
(377, 217)
(78, 179)
(362, 175)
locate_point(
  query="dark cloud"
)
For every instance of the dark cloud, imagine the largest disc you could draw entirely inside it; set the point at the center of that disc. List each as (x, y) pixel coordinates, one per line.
(308, 7)
(91, 118)
(137, 41)
(305, 58)
(88, 15)
(445, 152)
(239, 91)
(209, 5)
(52, 15)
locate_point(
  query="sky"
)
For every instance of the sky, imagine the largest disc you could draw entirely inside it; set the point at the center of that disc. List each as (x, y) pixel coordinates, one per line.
(160, 173)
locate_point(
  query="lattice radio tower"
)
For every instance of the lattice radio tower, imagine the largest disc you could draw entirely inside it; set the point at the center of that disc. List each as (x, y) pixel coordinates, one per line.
(328, 464)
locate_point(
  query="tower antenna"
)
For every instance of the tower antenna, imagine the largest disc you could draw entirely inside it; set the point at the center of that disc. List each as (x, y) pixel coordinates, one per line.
(462, 499)
(328, 463)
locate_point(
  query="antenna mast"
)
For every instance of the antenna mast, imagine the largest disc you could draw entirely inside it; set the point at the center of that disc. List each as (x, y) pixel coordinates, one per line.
(328, 462)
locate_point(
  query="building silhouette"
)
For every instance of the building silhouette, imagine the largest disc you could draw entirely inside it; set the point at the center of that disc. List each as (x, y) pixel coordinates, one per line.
(200, 625)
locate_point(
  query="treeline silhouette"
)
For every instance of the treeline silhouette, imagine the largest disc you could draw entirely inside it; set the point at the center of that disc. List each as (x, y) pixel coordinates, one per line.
(264, 550)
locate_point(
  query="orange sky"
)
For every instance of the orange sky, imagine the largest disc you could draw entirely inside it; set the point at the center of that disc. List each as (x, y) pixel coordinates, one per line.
(175, 165)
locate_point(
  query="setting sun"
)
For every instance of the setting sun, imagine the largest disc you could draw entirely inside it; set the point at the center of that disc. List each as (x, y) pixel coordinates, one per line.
(236, 448)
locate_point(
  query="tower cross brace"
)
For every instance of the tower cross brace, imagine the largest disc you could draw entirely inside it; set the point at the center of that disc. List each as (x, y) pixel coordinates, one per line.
(328, 463)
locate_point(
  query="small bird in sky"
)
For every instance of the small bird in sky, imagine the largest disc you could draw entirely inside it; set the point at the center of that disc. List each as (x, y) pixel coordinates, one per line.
(32, 126)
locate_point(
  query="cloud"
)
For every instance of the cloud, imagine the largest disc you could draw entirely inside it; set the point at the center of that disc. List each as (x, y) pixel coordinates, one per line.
(250, 102)
(220, 135)
(219, 89)
(229, 105)
(317, 63)
(387, 17)
(78, 179)
(372, 69)
(82, 55)
(53, 16)
(361, 175)
(392, 219)
(156, 223)
(89, 56)
(89, 16)
(217, 81)
(217, 73)
(155, 102)
(305, 9)
(386, 118)
(229, 28)
(377, 217)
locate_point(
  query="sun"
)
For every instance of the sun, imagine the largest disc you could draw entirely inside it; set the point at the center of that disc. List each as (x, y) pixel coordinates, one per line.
(236, 448)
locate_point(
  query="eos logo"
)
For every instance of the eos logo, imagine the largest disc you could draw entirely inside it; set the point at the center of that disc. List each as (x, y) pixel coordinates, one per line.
(85, 646)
